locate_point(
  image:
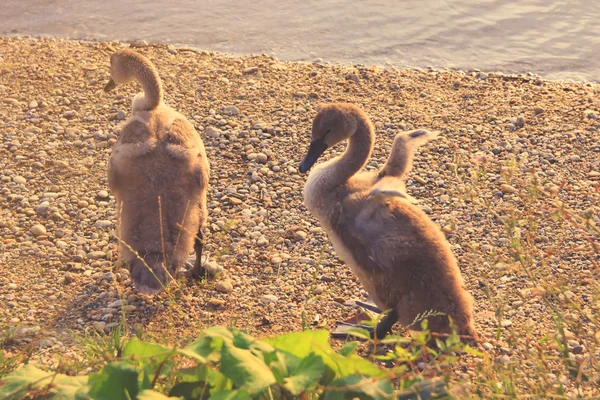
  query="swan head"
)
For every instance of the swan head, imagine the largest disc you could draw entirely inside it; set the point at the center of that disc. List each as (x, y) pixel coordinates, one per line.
(121, 68)
(332, 124)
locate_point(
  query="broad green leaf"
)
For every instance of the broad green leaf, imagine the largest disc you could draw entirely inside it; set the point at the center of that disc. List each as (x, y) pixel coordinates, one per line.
(308, 372)
(114, 382)
(239, 394)
(152, 395)
(356, 386)
(192, 382)
(348, 349)
(137, 349)
(244, 341)
(30, 377)
(301, 344)
(245, 369)
(202, 348)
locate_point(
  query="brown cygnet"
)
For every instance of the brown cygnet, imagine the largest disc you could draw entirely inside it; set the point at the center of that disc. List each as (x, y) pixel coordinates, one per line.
(400, 256)
(158, 172)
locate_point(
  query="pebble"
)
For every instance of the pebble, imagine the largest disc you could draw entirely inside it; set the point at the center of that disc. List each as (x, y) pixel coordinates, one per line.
(38, 230)
(213, 269)
(120, 115)
(262, 241)
(69, 114)
(212, 132)
(506, 188)
(231, 110)
(503, 359)
(505, 323)
(19, 180)
(12, 286)
(99, 326)
(269, 298)
(96, 255)
(103, 223)
(300, 236)
(102, 194)
(224, 286)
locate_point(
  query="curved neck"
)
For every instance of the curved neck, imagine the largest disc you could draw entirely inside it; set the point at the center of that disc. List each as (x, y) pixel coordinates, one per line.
(148, 77)
(399, 162)
(360, 146)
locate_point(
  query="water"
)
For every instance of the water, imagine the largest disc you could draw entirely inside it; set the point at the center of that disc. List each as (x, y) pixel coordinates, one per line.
(556, 39)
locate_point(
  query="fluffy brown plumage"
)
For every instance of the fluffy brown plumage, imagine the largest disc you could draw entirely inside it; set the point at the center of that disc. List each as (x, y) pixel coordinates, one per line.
(400, 256)
(159, 159)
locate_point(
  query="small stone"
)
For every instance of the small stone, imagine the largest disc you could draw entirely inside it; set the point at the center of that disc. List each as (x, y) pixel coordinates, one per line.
(488, 346)
(68, 278)
(231, 110)
(120, 115)
(38, 230)
(594, 175)
(506, 323)
(224, 286)
(319, 289)
(171, 51)
(99, 326)
(70, 114)
(216, 302)
(212, 132)
(96, 255)
(300, 236)
(19, 180)
(504, 359)
(103, 223)
(276, 260)
(235, 201)
(269, 298)
(262, 241)
(506, 188)
(213, 269)
(251, 71)
(12, 286)
(482, 75)
(261, 158)
(109, 276)
(33, 104)
(538, 111)
(102, 194)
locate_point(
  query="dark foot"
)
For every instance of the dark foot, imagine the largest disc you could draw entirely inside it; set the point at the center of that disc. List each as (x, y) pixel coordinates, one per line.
(197, 271)
(385, 325)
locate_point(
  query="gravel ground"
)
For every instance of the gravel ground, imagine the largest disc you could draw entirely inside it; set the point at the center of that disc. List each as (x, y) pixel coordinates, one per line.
(276, 269)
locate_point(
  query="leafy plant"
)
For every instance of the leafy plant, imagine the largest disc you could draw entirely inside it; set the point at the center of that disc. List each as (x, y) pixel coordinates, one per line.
(226, 363)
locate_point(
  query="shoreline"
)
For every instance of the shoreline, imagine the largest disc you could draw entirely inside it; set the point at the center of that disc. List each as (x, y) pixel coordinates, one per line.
(59, 276)
(527, 75)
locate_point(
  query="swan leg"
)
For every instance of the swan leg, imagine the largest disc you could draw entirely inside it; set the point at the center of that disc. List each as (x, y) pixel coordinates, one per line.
(197, 271)
(385, 325)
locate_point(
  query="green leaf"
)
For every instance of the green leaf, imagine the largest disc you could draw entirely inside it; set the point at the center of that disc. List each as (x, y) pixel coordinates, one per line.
(361, 387)
(18, 382)
(348, 348)
(307, 373)
(114, 382)
(301, 344)
(192, 382)
(203, 349)
(152, 395)
(137, 349)
(239, 394)
(245, 369)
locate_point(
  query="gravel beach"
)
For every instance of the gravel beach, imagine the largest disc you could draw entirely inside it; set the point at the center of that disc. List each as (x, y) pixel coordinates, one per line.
(274, 268)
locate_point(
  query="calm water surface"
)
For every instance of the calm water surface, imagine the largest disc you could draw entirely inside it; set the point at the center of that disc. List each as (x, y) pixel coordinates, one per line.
(557, 39)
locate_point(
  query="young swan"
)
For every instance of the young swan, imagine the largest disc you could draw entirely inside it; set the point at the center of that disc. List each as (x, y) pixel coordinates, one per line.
(399, 255)
(158, 172)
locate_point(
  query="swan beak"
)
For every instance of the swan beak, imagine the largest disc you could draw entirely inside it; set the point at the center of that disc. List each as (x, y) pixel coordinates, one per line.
(316, 148)
(110, 85)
